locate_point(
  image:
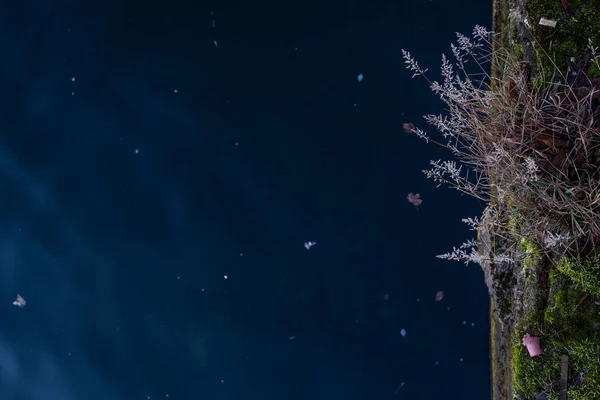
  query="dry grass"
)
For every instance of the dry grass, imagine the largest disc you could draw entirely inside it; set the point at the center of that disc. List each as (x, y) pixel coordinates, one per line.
(528, 151)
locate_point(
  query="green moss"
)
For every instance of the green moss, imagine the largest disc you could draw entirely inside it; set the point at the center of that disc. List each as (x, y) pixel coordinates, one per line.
(515, 223)
(519, 51)
(564, 314)
(532, 252)
(541, 374)
(529, 246)
(534, 375)
(584, 273)
(567, 327)
(568, 39)
(584, 358)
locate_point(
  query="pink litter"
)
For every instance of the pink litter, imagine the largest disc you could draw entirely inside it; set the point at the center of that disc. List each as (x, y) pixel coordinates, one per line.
(533, 345)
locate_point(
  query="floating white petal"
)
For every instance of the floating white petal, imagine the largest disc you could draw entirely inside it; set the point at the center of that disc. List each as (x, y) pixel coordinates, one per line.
(308, 245)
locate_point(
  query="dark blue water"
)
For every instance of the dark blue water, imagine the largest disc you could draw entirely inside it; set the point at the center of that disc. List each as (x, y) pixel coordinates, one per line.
(155, 208)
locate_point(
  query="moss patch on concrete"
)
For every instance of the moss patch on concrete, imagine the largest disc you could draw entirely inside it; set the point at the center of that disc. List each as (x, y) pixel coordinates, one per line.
(585, 274)
(567, 325)
(555, 46)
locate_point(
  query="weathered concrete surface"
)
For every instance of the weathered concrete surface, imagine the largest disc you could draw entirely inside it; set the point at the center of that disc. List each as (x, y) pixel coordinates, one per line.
(500, 319)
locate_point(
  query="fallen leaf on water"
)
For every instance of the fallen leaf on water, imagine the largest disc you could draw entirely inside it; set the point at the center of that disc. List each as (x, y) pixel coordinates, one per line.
(20, 301)
(408, 127)
(415, 199)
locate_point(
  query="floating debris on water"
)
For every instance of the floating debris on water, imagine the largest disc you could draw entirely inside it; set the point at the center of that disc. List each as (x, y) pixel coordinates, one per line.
(19, 302)
(414, 199)
(439, 295)
(399, 387)
(360, 77)
(308, 245)
(403, 332)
